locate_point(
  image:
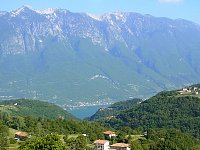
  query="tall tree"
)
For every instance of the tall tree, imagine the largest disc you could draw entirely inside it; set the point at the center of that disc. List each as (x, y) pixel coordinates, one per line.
(4, 142)
(50, 142)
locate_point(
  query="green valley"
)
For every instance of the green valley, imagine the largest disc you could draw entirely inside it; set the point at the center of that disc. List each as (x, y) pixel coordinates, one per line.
(166, 121)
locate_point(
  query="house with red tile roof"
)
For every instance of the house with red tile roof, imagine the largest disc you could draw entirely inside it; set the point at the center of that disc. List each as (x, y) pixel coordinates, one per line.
(110, 134)
(101, 145)
(120, 146)
(21, 135)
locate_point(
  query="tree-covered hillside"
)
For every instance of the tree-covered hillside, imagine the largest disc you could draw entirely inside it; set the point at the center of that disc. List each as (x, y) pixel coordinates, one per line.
(165, 110)
(166, 139)
(114, 109)
(34, 108)
(40, 119)
(169, 119)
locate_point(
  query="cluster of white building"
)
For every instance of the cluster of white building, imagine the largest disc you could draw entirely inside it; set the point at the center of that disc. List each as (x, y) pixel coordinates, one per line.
(193, 90)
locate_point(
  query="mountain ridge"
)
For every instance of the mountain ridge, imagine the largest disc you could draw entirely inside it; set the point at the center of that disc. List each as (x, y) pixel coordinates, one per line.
(113, 20)
(54, 55)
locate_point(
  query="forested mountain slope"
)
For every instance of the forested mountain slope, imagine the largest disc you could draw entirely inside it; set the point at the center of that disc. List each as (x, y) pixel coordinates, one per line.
(114, 109)
(33, 108)
(164, 110)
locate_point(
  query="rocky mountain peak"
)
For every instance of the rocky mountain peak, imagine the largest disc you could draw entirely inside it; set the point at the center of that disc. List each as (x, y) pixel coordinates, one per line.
(22, 10)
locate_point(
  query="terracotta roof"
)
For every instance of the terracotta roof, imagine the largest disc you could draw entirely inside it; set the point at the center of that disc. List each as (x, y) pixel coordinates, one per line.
(122, 145)
(109, 132)
(23, 134)
(100, 141)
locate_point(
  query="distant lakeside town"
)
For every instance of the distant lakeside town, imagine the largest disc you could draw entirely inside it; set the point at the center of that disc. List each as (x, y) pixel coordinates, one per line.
(79, 105)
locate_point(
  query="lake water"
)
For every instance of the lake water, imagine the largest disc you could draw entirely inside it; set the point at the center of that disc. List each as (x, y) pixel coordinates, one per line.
(87, 111)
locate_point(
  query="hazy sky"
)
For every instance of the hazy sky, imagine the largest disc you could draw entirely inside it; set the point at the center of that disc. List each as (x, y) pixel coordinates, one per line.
(186, 9)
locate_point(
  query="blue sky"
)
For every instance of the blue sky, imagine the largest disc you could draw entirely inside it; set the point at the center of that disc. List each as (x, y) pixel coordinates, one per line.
(186, 9)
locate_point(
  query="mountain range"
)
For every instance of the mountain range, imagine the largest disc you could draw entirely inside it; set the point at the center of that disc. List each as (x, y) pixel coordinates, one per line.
(79, 58)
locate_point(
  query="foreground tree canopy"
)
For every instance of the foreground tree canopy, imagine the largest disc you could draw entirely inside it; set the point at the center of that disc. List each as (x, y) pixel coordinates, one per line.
(3, 137)
(49, 142)
(166, 139)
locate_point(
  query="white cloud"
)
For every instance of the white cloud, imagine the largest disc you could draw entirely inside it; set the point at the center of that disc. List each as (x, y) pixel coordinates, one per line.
(170, 1)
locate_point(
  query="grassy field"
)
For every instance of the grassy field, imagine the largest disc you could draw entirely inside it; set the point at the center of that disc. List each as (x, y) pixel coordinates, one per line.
(11, 136)
(12, 132)
(136, 137)
(73, 136)
(13, 146)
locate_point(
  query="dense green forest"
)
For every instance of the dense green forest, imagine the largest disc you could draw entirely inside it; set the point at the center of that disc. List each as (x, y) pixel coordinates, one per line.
(165, 110)
(166, 139)
(40, 126)
(50, 141)
(53, 133)
(22, 115)
(34, 108)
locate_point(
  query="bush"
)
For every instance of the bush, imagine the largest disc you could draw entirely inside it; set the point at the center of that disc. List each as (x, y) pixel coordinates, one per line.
(12, 141)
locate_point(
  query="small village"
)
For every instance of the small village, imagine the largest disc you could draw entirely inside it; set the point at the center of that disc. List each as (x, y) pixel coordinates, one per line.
(98, 144)
(104, 144)
(191, 90)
